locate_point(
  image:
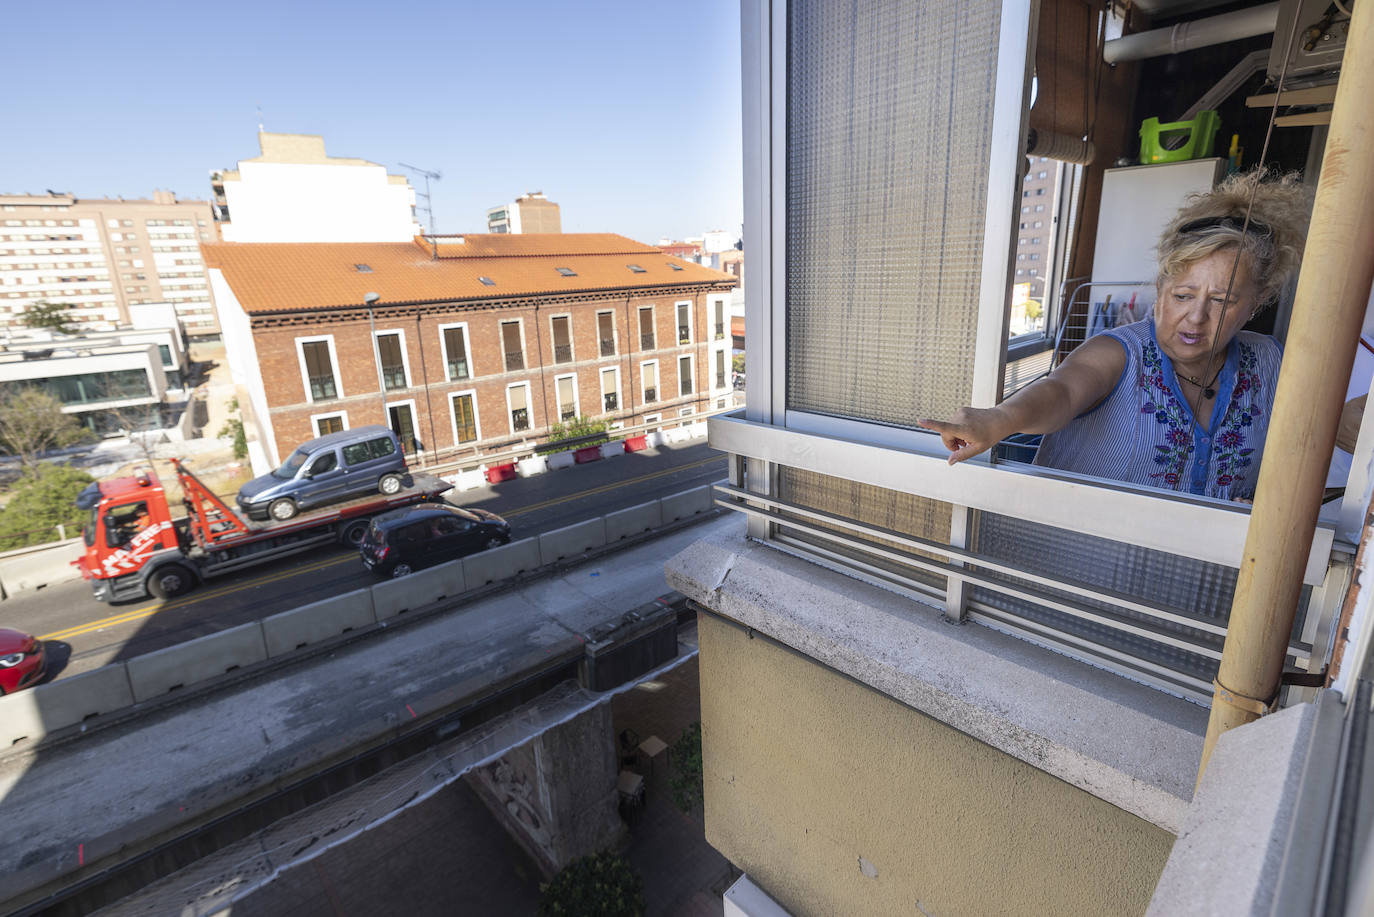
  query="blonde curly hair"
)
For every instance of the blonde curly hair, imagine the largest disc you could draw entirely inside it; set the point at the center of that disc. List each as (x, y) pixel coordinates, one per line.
(1272, 244)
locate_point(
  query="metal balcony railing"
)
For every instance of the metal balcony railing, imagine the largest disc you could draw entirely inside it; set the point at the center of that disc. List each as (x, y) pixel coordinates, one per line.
(457, 369)
(567, 414)
(562, 353)
(514, 360)
(323, 388)
(684, 334)
(610, 402)
(720, 332)
(651, 394)
(520, 419)
(685, 386)
(646, 342)
(720, 380)
(393, 377)
(608, 347)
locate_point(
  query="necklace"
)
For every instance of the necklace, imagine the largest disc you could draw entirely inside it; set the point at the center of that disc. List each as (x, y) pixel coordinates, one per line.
(1208, 391)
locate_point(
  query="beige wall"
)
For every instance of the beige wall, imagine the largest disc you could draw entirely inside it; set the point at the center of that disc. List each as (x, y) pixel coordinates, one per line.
(810, 775)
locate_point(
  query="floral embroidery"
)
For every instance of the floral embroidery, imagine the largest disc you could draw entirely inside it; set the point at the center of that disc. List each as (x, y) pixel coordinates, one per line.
(1231, 455)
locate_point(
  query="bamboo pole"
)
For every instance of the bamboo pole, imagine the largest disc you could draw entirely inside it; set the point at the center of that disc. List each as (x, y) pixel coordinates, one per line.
(1333, 289)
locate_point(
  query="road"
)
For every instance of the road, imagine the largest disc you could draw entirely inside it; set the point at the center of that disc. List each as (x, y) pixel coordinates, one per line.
(83, 634)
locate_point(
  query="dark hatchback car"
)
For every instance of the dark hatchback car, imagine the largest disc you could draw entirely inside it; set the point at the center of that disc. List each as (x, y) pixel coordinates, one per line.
(405, 540)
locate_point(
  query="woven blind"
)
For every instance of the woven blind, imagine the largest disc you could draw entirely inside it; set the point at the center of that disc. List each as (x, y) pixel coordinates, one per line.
(889, 114)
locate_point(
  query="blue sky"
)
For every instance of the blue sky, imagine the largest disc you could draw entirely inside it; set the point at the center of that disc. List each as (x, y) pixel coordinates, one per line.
(625, 113)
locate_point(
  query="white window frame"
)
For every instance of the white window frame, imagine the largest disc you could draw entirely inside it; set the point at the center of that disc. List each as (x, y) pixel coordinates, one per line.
(691, 374)
(601, 381)
(658, 382)
(453, 416)
(615, 334)
(691, 323)
(653, 325)
(719, 353)
(529, 408)
(414, 417)
(316, 418)
(714, 304)
(553, 341)
(333, 365)
(524, 351)
(405, 354)
(577, 412)
(467, 350)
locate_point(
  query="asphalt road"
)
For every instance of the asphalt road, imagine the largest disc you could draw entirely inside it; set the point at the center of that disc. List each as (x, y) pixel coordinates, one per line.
(82, 633)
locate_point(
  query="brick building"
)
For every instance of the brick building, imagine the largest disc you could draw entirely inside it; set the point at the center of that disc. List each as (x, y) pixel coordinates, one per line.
(482, 342)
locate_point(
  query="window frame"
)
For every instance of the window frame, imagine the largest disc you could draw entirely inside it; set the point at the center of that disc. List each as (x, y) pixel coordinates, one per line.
(677, 322)
(615, 338)
(333, 367)
(529, 408)
(558, 400)
(658, 382)
(315, 418)
(553, 339)
(405, 356)
(653, 326)
(690, 377)
(467, 350)
(519, 322)
(414, 418)
(453, 417)
(601, 381)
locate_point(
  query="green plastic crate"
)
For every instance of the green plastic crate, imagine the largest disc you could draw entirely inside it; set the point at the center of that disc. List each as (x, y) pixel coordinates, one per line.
(1180, 140)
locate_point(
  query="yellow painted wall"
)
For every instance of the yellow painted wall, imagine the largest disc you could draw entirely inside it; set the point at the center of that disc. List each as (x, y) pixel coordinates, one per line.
(807, 772)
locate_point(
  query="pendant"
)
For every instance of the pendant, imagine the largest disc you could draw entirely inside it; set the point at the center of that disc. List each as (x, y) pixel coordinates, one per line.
(1209, 393)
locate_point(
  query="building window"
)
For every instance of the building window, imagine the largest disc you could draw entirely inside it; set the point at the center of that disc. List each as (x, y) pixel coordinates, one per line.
(719, 331)
(610, 390)
(317, 366)
(511, 344)
(720, 369)
(566, 387)
(463, 407)
(605, 331)
(518, 402)
(454, 339)
(648, 380)
(646, 327)
(390, 351)
(684, 375)
(562, 338)
(329, 423)
(684, 323)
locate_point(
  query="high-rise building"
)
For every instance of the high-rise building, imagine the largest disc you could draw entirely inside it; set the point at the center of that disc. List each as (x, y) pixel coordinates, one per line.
(103, 255)
(295, 192)
(532, 212)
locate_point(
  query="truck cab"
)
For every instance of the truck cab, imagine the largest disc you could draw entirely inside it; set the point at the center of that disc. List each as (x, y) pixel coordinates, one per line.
(130, 523)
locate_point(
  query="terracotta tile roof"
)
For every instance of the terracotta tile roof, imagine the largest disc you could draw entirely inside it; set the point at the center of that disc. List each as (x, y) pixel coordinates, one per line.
(297, 276)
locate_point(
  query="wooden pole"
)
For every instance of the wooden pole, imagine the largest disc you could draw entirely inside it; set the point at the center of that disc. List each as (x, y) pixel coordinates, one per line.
(1333, 289)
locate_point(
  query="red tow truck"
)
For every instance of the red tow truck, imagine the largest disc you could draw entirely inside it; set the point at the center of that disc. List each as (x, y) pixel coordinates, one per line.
(135, 548)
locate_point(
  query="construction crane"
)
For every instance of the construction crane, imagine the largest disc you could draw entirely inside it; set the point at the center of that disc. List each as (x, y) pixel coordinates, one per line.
(427, 208)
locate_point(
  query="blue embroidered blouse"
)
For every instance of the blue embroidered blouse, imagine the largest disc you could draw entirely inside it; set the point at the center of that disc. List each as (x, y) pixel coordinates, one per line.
(1143, 431)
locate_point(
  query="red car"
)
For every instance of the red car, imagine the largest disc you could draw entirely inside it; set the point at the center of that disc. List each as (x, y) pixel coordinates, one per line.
(21, 660)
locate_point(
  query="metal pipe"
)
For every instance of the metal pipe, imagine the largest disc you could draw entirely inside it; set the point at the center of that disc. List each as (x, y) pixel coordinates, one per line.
(371, 300)
(424, 374)
(1200, 33)
(1323, 334)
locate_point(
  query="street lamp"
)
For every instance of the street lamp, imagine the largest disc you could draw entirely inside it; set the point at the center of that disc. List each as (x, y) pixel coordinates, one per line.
(370, 300)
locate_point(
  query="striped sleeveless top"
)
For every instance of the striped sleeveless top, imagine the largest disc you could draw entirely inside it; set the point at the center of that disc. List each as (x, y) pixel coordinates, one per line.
(1143, 431)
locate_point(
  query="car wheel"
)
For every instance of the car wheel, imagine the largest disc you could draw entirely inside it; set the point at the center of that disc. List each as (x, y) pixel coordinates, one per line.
(354, 532)
(170, 581)
(282, 509)
(390, 484)
(400, 570)
(496, 541)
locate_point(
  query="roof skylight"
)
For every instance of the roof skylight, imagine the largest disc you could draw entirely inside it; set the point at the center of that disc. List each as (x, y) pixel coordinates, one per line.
(567, 271)
(636, 268)
(674, 265)
(363, 268)
(487, 281)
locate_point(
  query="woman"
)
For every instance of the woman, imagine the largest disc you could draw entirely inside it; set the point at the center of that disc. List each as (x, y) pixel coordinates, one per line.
(1180, 399)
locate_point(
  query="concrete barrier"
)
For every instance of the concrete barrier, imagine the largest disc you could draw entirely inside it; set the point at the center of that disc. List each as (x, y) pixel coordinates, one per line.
(572, 540)
(531, 466)
(697, 430)
(21, 720)
(317, 622)
(28, 716)
(632, 520)
(424, 587)
(496, 564)
(687, 503)
(468, 480)
(654, 440)
(34, 568)
(561, 460)
(154, 674)
(613, 448)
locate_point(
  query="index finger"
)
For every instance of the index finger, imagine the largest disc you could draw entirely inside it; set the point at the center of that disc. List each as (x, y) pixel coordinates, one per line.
(939, 426)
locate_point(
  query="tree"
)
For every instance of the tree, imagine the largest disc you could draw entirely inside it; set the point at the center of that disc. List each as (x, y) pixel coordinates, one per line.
(600, 885)
(32, 423)
(43, 498)
(233, 427)
(686, 783)
(55, 316)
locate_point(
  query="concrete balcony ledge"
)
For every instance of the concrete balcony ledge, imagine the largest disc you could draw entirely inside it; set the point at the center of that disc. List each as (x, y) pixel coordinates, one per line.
(1127, 744)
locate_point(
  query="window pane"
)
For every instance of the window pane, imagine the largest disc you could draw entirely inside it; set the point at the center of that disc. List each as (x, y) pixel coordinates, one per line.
(684, 375)
(646, 329)
(518, 397)
(562, 340)
(464, 419)
(605, 329)
(393, 369)
(456, 354)
(510, 340)
(886, 182)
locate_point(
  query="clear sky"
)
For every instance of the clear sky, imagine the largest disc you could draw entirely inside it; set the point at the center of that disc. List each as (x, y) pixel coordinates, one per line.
(624, 112)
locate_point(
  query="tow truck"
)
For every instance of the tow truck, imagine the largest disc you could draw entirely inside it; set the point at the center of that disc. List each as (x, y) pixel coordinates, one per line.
(135, 548)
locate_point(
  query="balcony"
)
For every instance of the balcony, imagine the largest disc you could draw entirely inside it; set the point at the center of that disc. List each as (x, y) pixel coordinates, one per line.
(520, 419)
(720, 380)
(720, 333)
(322, 388)
(566, 414)
(685, 386)
(393, 378)
(610, 402)
(651, 394)
(515, 360)
(562, 353)
(646, 342)
(684, 334)
(457, 369)
(608, 347)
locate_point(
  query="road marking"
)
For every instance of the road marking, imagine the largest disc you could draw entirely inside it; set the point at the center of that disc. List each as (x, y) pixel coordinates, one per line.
(613, 485)
(149, 610)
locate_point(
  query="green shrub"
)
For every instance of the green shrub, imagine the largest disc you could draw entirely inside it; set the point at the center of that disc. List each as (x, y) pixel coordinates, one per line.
(576, 428)
(600, 885)
(42, 499)
(686, 783)
(234, 427)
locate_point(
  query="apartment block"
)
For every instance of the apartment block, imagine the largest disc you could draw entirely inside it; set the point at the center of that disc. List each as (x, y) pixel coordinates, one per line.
(475, 343)
(103, 256)
(529, 213)
(295, 192)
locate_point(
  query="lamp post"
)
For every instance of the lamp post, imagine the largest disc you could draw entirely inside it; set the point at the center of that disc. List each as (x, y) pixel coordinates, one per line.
(370, 300)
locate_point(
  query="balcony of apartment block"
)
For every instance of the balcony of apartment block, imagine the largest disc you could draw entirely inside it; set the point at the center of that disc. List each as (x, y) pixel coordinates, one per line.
(562, 353)
(608, 347)
(515, 360)
(393, 378)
